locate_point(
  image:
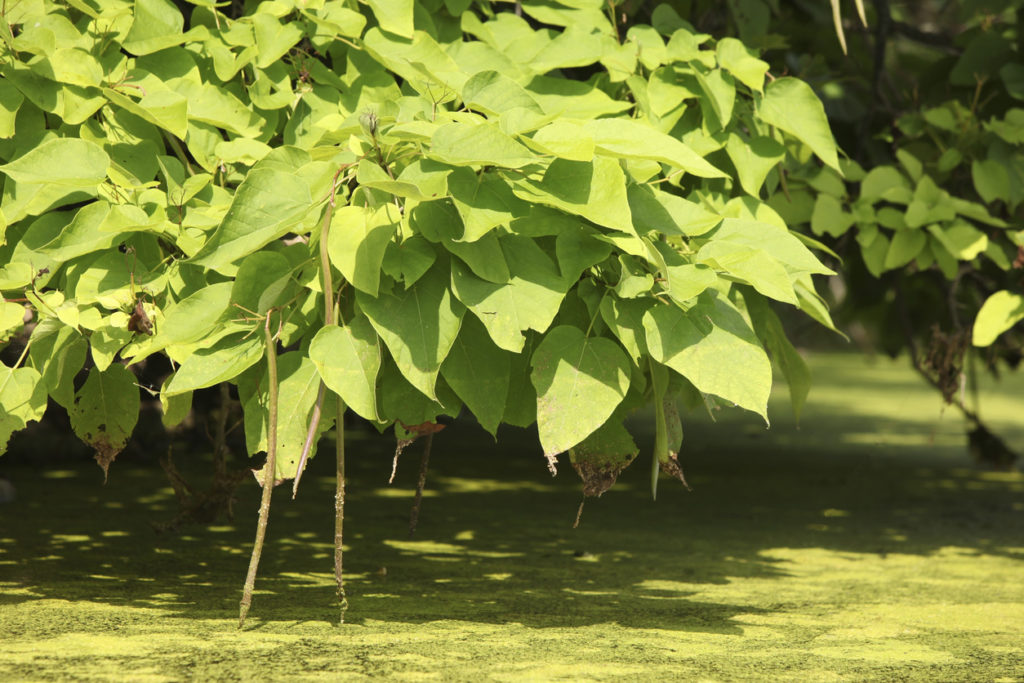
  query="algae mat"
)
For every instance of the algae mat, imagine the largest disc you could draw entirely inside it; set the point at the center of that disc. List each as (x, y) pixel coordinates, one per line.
(860, 547)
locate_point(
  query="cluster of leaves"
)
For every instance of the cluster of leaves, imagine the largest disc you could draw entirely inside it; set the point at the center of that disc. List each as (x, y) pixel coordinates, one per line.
(928, 223)
(501, 237)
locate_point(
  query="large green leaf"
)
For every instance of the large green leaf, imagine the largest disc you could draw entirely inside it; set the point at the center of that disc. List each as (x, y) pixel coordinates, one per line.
(791, 105)
(348, 359)
(735, 57)
(157, 25)
(58, 353)
(478, 372)
(754, 159)
(579, 381)
(775, 241)
(223, 361)
(394, 16)
(482, 144)
(105, 410)
(484, 201)
(750, 265)
(713, 347)
(69, 163)
(667, 213)
(357, 241)
(267, 205)
(418, 325)
(594, 189)
(528, 301)
(634, 140)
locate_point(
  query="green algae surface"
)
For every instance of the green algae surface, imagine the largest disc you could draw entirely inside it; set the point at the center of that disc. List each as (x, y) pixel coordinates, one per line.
(860, 547)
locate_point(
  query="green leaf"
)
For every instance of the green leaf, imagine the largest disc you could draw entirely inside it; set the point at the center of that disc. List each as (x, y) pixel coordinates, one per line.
(667, 213)
(348, 359)
(713, 347)
(478, 372)
(418, 325)
(719, 96)
(267, 205)
(734, 56)
(221, 362)
(495, 94)
(22, 400)
(991, 180)
(771, 333)
(904, 248)
(357, 241)
(829, 218)
(273, 39)
(565, 139)
(96, 226)
(70, 163)
(174, 409)
(193, 317)
(298, 386)
(158, 24)
(689, 280)
(484, 201)
(754, 159)
(482, 144)
(258, 275)
(775, 240)
(1000, 312)
(961, 239)
(790, 105)
(750, 265)
(595, 190)
(633, 140)
(407, 261)
(529, 301)
(394, 16)
(10, 101)
(104, 411)
(625, 319)
(579, 383)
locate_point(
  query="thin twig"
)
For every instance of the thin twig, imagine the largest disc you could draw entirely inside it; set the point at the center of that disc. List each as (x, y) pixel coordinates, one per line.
(339, 511)
(269, 474)
(414, 515)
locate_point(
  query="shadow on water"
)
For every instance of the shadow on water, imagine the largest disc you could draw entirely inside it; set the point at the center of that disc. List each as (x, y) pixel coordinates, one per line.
(495, 543)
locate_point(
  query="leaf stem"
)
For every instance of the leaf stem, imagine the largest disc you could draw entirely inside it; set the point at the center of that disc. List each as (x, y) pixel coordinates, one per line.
(269, 474)
(328, 286)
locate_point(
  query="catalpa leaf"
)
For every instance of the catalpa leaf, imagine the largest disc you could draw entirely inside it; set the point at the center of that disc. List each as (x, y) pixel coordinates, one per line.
(478, 372)
(105, 410)
(634, 140)
(595, 190)
(580, 381)
(483, 144)
(268, 204)
(348, 359)
(713, 347)
(791, 105)
(418, 325)
(69, 163)
(357, 241)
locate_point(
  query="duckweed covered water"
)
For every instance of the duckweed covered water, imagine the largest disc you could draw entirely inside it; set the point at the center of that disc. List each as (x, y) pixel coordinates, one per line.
(861, 547)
